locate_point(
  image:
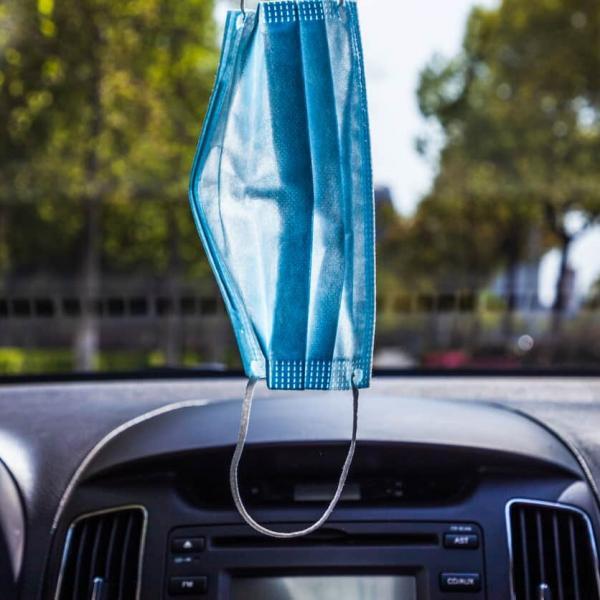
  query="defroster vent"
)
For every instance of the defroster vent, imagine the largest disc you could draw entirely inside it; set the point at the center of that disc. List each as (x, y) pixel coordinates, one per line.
(103, 555)
(553, 552)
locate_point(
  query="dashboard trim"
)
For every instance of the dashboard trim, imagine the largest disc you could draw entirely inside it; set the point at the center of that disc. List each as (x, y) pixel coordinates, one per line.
(97, 513)
(105, 440)
(556, 506)
(568, 443)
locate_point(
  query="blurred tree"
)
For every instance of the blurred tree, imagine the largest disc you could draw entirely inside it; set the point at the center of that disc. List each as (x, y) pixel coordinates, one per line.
(100, 107)
(520, 113)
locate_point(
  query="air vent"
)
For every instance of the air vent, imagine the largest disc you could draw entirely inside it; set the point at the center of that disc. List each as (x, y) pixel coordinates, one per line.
(102, 557)
(553, 552)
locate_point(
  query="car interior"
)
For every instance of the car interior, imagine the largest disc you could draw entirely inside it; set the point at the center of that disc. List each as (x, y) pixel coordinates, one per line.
(470, 487)
(126, 354)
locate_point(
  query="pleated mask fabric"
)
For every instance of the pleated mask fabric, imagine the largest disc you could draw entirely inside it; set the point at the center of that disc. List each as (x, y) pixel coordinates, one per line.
(281, 192)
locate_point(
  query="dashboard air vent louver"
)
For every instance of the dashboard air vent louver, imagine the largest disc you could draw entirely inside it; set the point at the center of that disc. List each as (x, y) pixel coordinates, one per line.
(553, 552)
(102, 557)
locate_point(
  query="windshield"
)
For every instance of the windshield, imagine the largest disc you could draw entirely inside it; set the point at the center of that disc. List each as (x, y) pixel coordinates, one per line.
(485, 122)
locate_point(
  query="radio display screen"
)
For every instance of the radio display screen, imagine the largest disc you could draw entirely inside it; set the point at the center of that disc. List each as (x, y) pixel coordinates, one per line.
(360, 587)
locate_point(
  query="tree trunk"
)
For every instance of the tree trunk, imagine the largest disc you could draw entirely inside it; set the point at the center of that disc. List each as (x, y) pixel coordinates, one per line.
(473, 340)
(87, 338)
(511, 298)
(561, 300)
(4, 256)
(87, 335)
(174, 334)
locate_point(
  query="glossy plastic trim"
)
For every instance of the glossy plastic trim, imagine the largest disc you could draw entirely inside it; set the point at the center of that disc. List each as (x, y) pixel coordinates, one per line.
(97, 513)
(556, 506)
(12, 520)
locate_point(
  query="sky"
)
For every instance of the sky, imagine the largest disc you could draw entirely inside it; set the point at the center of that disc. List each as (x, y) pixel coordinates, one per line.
(399, 38)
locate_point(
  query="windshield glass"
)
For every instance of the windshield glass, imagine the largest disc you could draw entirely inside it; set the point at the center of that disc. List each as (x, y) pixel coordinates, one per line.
(485, 121)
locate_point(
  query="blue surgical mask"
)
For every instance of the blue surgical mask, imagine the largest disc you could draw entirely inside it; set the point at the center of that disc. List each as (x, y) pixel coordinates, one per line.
(281, 192)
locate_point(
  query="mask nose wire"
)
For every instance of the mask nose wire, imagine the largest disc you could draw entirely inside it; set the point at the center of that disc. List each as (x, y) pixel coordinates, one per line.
(243, 5)
(237, 455)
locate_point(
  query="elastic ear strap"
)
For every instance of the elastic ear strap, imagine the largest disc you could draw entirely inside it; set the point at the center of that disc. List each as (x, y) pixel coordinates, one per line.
(237, 455)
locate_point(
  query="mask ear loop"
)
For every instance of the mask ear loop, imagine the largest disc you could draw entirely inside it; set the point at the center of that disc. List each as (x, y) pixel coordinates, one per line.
(237, 455)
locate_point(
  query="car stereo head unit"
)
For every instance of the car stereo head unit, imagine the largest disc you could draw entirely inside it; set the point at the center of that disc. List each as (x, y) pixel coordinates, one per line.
(360, 560)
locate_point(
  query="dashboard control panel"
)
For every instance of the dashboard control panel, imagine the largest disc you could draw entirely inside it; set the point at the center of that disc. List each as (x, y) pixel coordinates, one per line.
(442, 560)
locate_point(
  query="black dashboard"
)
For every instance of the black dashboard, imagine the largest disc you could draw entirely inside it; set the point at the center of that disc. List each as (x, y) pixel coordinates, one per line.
(460, 489)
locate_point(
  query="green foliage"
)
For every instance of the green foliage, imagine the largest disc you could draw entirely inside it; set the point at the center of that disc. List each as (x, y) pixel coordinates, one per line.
(101, 101)
(15, 361)
(520, 112)
(12, 361)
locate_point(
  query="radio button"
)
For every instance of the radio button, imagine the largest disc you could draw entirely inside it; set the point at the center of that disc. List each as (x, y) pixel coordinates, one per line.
(468, 541)
(187, 545)
(460, 582)
(188, 586)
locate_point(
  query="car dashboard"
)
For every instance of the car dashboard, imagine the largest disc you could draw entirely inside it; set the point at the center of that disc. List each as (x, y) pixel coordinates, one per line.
(460, 489)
